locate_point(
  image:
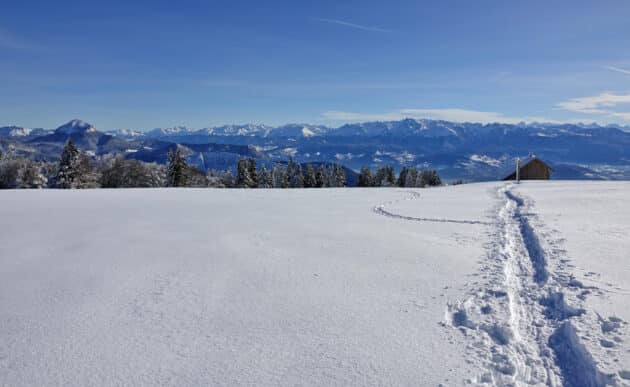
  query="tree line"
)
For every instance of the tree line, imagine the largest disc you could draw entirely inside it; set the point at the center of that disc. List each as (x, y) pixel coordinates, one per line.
(76, 169)
(293, 175)
(408, 177)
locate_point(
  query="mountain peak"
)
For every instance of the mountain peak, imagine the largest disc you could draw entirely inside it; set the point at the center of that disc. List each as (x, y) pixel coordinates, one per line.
(75, 126)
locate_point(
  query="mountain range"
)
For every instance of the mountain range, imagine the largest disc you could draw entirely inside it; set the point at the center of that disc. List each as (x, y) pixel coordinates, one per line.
(469, 151)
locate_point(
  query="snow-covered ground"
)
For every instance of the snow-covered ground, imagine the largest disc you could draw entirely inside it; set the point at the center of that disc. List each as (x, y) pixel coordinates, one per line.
(484, 284)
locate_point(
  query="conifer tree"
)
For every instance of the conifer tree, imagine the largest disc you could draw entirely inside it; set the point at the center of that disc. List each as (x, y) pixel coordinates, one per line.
(310, 180)
(297, 179)
(340, 176)
(177, 170)
(277, 176)
(264, 178)
(67, 172)
(227, 179)
(385, 177)
(365, 178)
(242, 174)
(285, 179)
(253, 175)
(321, 177)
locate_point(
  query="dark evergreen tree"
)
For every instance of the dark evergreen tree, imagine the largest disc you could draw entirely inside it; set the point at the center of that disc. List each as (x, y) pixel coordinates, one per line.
(310, 179)
(429, 178)
(385, 177)
(177, 174)
(403, 177)
(340, 176)
(242, 174)
(285, 181)
(408, 177)
(365, 178)
(321, 177)
(253, 175)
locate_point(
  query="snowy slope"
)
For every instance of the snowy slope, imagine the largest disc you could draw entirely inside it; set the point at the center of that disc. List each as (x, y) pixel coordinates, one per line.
(453, 285)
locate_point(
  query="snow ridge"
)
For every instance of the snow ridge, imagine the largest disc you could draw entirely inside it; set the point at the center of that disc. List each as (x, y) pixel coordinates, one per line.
(522, 326)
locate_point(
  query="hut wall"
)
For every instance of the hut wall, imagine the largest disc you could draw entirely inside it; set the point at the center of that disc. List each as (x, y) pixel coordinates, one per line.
(535, 170)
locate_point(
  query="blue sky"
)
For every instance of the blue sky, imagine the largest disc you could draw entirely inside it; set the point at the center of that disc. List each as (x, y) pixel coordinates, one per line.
(134, 64)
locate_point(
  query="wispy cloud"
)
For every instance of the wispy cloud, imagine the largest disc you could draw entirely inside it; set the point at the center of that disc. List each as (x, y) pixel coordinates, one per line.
(351, 25)
(451, 114)
(602, 104)
(617, 69)
(305, 86)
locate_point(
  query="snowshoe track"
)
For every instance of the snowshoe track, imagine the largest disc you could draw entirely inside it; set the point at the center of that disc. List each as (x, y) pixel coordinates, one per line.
(520, 323)
(381, 209)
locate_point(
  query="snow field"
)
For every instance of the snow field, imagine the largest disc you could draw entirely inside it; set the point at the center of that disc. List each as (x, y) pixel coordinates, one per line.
(482, 284)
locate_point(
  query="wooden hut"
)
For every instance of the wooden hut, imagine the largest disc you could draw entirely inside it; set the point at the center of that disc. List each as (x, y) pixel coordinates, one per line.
(532, 168)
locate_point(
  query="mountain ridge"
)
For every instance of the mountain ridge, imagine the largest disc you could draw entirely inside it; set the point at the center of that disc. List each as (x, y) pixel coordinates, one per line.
(458, 150)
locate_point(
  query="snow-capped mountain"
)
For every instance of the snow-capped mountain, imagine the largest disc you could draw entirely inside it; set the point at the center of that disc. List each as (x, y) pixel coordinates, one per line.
(164, 132)
(14, 131)
(126, 133)
(18, 131)
(75, 126)
(237, 130)
(298, 130)
(406, 127)
(470, 151)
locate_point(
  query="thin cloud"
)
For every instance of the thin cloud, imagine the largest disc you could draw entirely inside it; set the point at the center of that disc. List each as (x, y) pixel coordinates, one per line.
(451, 114)
(352, 25)
(602, 104)
(597, 104)
(617, 69)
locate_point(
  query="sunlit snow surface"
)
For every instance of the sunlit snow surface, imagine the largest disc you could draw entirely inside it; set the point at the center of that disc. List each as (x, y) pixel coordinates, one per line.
(315, 287)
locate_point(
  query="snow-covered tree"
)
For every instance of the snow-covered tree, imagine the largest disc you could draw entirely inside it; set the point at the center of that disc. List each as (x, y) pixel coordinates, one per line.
(228, 179)
(385, 177)
(279, 177)
(86, 175)
(67, 172)
(321, 177)
(9, 172)
(264, 178)
(196, 178)
(121, 173)
(31, 176)
(297, 178)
